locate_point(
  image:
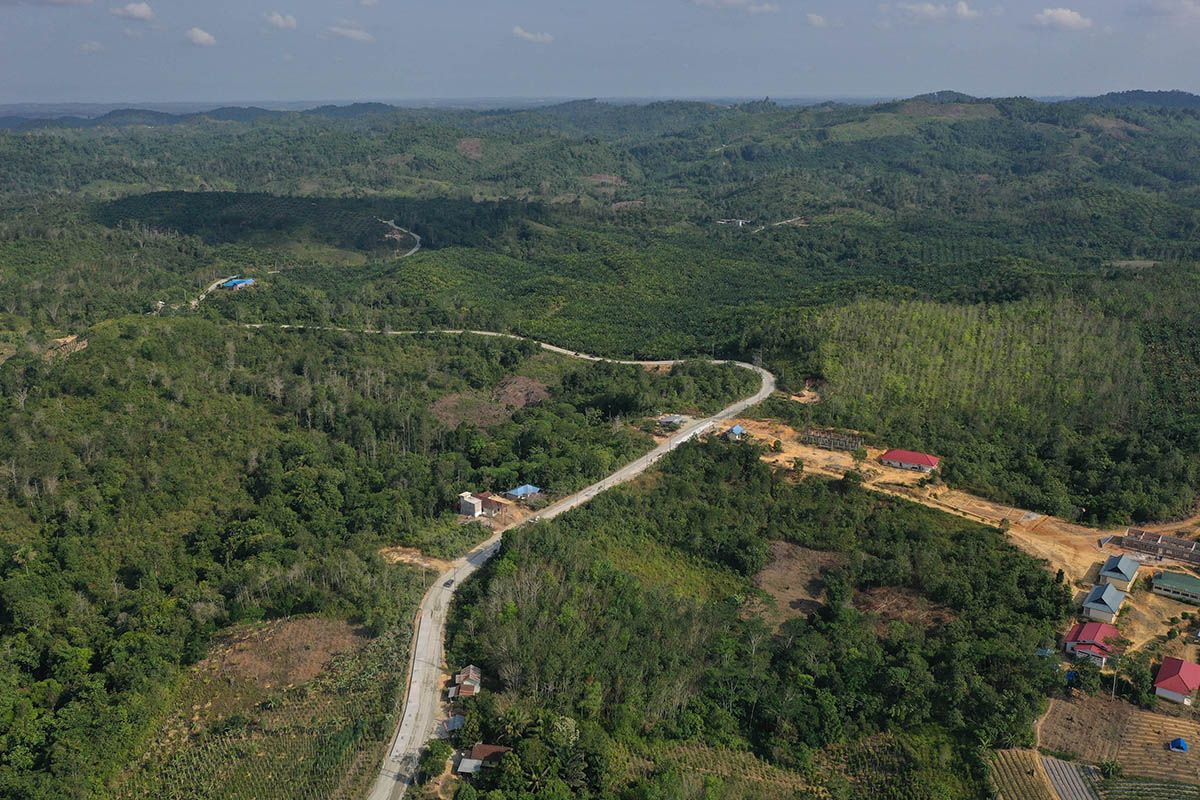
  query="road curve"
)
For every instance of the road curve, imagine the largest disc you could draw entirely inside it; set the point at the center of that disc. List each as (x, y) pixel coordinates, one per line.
(422, 702)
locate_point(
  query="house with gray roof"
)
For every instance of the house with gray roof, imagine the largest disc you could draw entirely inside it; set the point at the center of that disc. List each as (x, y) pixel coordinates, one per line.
(1103, 603)
(1119, 572)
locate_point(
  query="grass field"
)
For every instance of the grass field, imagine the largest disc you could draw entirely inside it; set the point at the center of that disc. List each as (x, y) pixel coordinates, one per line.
(1019, 775)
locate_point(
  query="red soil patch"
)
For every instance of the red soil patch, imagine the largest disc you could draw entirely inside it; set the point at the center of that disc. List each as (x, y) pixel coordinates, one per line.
(470, 148)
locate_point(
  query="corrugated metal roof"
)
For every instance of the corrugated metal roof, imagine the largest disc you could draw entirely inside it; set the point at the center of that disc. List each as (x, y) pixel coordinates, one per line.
(1178, 581)
(1122, 567)
(1106, 598)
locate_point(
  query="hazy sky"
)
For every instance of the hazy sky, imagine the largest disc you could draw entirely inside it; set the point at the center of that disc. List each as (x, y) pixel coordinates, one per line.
(240, 50)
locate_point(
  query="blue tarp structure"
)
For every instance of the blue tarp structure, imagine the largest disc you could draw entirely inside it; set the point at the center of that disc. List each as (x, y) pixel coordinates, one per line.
(1179, 745)
(737, 430)
(527, 490)
(237, 283)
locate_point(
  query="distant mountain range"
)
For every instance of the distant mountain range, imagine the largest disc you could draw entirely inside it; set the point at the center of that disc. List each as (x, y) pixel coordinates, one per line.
(31, 116)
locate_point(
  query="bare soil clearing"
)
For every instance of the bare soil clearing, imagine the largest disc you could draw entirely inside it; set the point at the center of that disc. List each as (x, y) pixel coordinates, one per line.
(793, 579)
(511, 394)
(517, 391)
(1098, 729)
(890, 604)
(285, 652)
(470, 148)
(411, 555)
(459, 407)
(601, 179)
(64, 347)
(1148, 616)
(1073, 548)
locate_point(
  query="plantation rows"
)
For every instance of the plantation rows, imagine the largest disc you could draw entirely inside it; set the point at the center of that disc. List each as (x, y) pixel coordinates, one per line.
(1143, 750)
(320, 740)
(1130, 789)
(741, 767)
(1019, 775)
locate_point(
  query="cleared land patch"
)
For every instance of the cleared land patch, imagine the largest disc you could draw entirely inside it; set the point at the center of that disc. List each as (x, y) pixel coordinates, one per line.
(471, 148)
(891, 604)
(793, 580)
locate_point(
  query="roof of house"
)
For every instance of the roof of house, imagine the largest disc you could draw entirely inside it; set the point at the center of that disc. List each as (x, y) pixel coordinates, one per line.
(1177, 675)
(487, 752)
(469, 766)
(1105, 598)
(1122, 567)
(737, 430)
(1178, 581)
(911, 457)
(1093, 638)
(1097, 632)
(238, 282)
(525, 491)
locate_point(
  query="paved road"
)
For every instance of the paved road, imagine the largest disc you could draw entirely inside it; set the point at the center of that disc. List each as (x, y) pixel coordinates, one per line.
(391, 223)
(422, 705)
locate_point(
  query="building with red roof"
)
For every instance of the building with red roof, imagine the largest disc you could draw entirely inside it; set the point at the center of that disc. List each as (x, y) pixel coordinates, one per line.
(1177, 680)
(910, 459)
(1095, 641)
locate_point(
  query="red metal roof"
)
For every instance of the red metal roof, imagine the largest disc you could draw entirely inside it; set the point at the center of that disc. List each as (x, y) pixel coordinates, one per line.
(1093, 633)
(912, 457)
(1179, 676)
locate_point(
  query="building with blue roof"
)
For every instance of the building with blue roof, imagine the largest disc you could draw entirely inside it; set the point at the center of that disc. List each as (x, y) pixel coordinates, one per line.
(237, 283)
(1104, 603)
(1119, 571)
(735, 433)
(523, 492)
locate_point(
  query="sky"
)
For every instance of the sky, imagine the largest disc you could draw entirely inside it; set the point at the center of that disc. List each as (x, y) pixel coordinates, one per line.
(289, 50)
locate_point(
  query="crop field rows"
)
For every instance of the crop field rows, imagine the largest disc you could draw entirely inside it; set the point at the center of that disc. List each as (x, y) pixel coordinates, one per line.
(1137, 789)
(1019, 775)
(1096, 730)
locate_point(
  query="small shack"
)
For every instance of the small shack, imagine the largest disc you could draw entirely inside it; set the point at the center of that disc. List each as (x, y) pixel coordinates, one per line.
(238, 283)
(469, 505)
(1179, 745)
(735, 434)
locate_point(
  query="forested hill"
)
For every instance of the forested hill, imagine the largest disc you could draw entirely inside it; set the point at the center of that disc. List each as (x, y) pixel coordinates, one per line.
(961, 228)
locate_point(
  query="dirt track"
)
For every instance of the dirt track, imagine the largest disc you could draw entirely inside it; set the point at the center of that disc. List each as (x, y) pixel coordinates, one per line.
(1065, 545)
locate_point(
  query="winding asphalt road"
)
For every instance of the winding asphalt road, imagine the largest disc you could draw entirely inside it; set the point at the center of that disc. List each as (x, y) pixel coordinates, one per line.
(422, 705)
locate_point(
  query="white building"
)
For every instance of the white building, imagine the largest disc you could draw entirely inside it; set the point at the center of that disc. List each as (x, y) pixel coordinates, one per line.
(469, 505)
